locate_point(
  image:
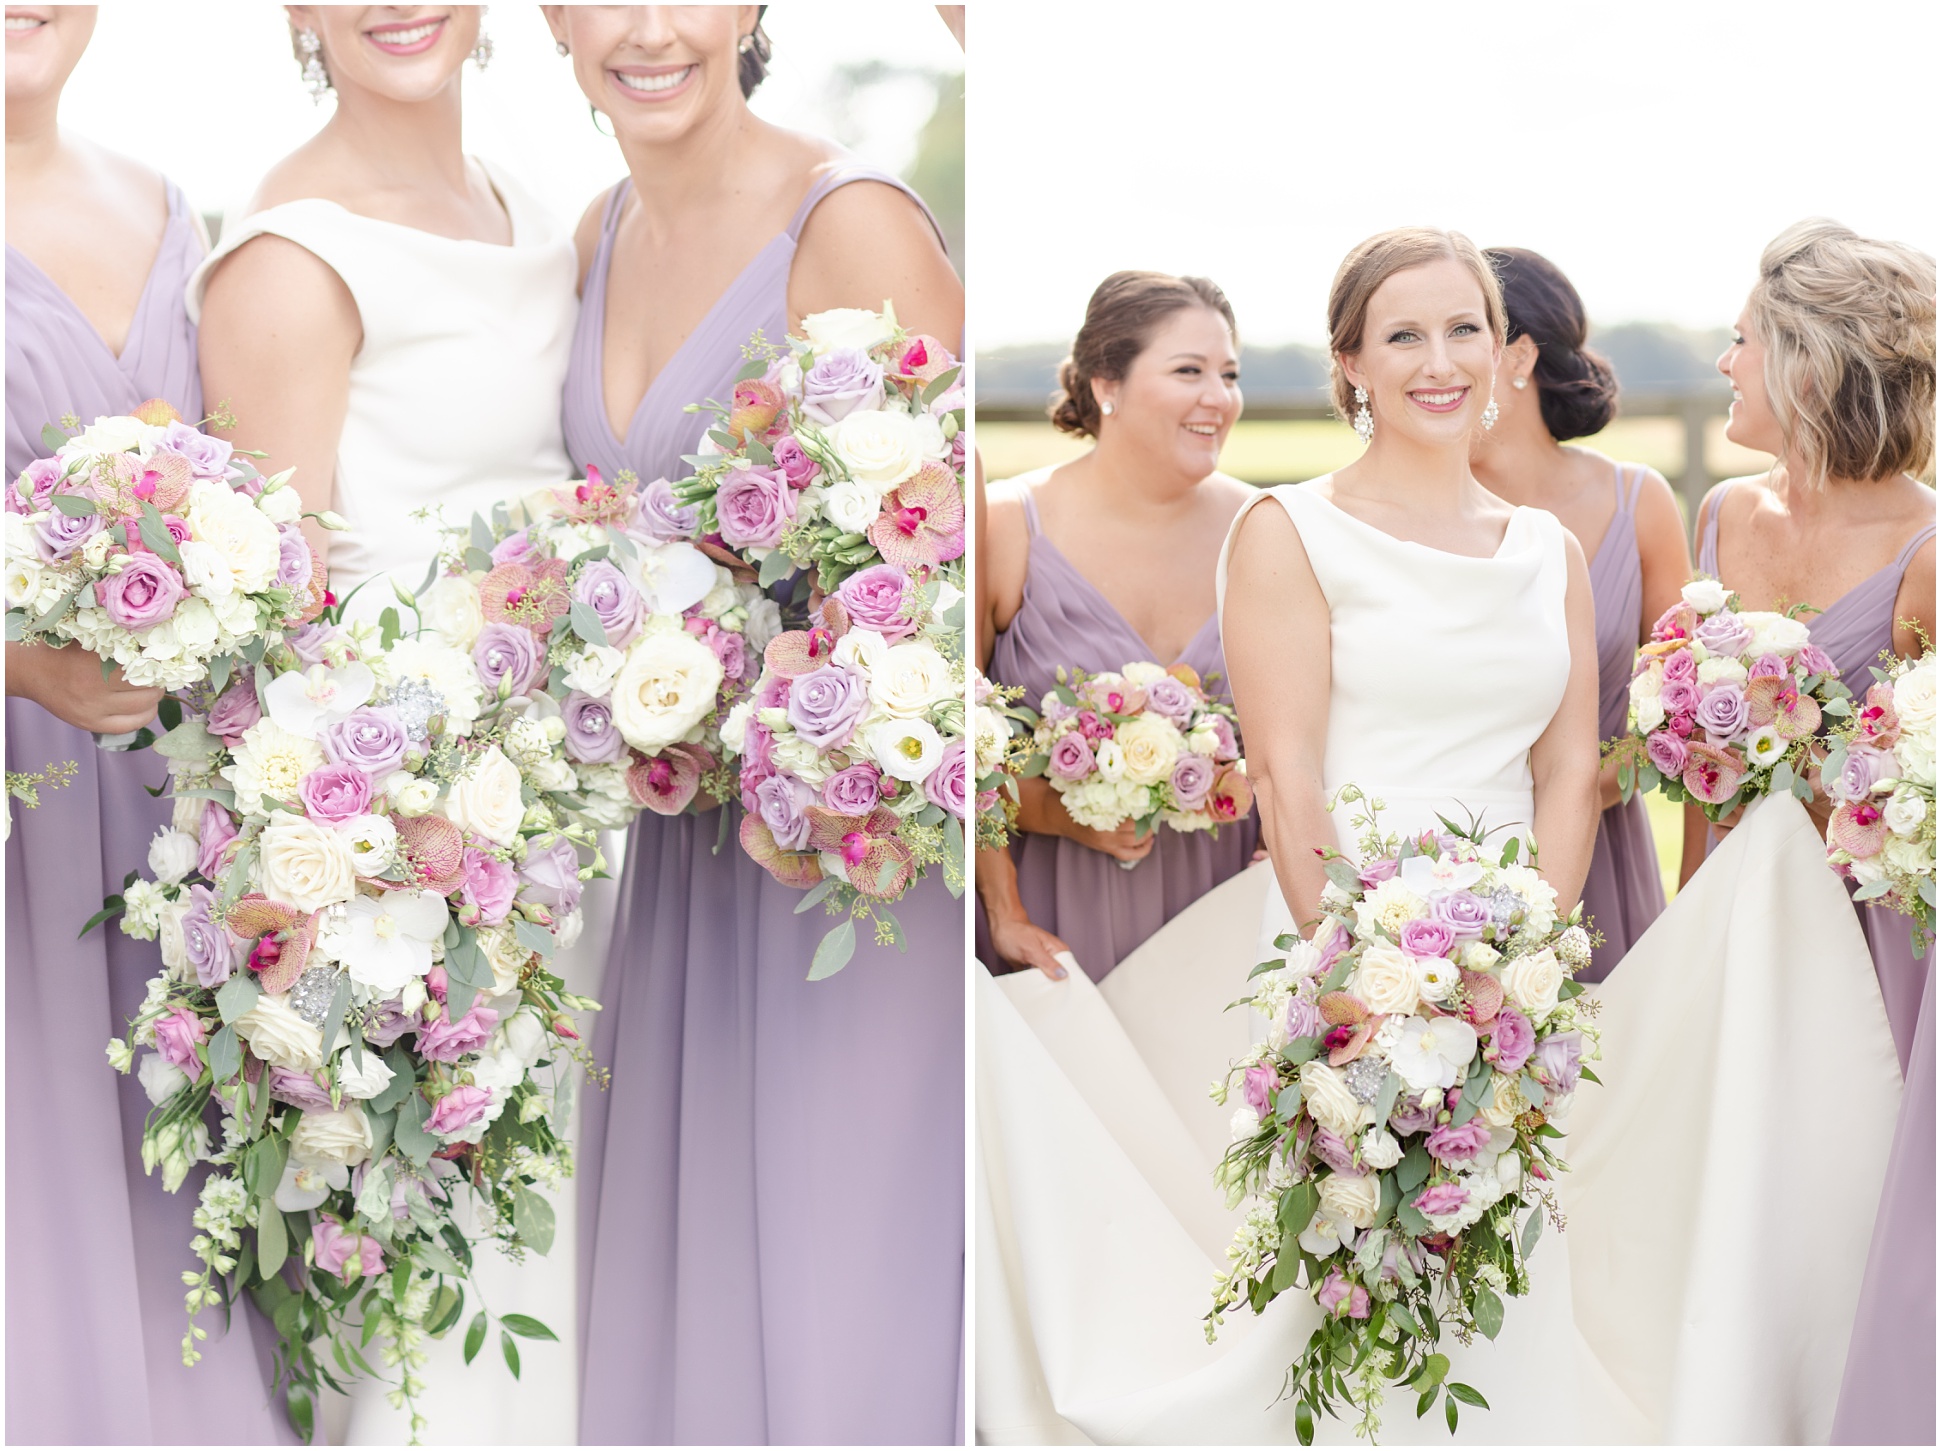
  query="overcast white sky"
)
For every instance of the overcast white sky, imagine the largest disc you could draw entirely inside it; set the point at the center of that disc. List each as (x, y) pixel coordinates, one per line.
(208, 91)
(1649, 147)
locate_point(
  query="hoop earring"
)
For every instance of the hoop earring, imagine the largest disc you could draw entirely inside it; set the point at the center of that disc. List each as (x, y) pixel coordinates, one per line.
(1364, 420)
(1490, 414)
(315, 78)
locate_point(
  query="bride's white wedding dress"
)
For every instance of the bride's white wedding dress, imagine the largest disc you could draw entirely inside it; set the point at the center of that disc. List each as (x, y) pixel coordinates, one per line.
(454, 403)
(1725, 1176)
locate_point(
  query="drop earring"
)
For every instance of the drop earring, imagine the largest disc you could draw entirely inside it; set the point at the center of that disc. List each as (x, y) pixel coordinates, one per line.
(315, 78)
(482, 52)
(1364, 420)
(1490, 414)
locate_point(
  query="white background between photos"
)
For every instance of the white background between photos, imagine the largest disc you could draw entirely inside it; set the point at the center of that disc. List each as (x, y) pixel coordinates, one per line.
(209, 93)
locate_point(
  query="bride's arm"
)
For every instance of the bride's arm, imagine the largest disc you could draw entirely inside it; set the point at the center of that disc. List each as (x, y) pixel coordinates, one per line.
(1275, 634)
(1563, 762)
(279, 329)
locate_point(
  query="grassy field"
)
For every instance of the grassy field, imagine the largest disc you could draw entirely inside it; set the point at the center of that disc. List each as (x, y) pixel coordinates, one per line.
(1668, 832)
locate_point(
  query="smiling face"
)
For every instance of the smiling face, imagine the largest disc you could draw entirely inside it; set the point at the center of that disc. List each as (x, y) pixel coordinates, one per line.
(403, 53)
(1427, 356)
(44, 44)
(656, 71)
(1751, 423)
(1181, 394)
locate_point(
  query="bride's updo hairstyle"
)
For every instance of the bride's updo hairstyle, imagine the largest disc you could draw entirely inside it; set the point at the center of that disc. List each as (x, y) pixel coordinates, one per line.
(1371, 264)
(1576, 390)
(1119, 321)
(1847, 324)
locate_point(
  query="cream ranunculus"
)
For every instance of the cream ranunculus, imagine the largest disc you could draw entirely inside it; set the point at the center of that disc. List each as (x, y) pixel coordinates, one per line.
(246, 540)
(666, 688)
(450, 610)
(1386, 979)
(1352, 1199)
(487, 800)
(343, 1137)
(1904, 812)
(848, 327)
(910, 678)
(1328, 1099)
(1152, 745)
(885, 448)
(1532, 980)
(276, 1034)
(306, 863)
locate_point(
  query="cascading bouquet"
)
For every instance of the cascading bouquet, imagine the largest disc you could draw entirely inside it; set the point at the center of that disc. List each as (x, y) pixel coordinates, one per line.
(1419, 1045)
(1001, 733)
(594, 594)
(158, 548)
(1725, 703)
(369, 864)
(839, 461)
(1879, 773)
(1143, 744)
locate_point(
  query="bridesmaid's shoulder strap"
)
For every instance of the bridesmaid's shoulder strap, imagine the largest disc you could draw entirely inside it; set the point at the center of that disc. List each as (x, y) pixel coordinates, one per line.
(1028, 495)
(1708, 535)
(836, 177)
(1628, 497)
(1908, 550)
(610, 215)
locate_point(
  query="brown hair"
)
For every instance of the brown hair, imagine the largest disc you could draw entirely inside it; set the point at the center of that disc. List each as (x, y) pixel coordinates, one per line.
(1119, 323)
(1373, 263)
(1577, 391)
(751, 65)
(1848, 328)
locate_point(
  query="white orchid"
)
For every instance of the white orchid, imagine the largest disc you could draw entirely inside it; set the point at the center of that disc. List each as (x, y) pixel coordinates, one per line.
(387, 940)
(319, 697)
(1429, 1053)
(305, 1186)
(1430, 877)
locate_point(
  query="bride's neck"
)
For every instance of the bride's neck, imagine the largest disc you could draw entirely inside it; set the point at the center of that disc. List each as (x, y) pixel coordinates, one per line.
(413, 144)
(671, 180)
(1398, 470)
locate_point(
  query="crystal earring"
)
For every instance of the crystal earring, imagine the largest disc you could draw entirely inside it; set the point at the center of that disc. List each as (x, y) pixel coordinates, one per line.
(1490, 414)
(315, 77)
(482, 52)
(1364, 420)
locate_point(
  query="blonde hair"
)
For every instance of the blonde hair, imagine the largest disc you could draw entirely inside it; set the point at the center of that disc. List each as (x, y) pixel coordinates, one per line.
(1371, 264)
(1848, 328)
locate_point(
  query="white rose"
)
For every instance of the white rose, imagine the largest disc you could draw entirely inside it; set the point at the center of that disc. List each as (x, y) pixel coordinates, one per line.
(910, 678)
(278, 1035)
(1905, 810)
(1916, 755)
(908, 749)
(847, 327)
(594, 672)
(172, 855)
(487, 799)
(525, 1036)
(23, 578)
(1329, 1102)
(507, 956)
(1774, 634)
(852, 505)
(1505, 1101)
(885, 448)
(1707, 596)
(666, 688)
(1152, 746)
(1144, 672)
(1351, 1199)
(1386, 979)
(342, 1137)
(1244, 1124)
(863, 649)
(305, 863)
(115, 434)
(1721, 669)
(175, 952)
(734, 730)
(373, 843)
(1648, 712)
(1380, 1149)
(1914, 697)
(161, 1080)
(450, 610)
(1532, 980)
(1480, 957)
(280, 506)
(246, 540)
(410, 795)
(366, 1082)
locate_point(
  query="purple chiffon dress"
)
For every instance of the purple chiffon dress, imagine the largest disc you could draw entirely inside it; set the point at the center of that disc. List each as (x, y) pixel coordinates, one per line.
(1101, 910)
(1887, 1395)
(95, 1247)
(772, 1189)
(1624, 892)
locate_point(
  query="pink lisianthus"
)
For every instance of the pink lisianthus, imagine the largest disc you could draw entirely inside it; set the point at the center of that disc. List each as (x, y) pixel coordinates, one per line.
(1262, 1083)
(487, 890)
(1667, 753)
(464, 1106)
(1444, 1198)
(444, 1041)
(335, 793)
(344, 1254)
(177, 1034)
(1339, 1294)
(218, 831)
(1511, 1042)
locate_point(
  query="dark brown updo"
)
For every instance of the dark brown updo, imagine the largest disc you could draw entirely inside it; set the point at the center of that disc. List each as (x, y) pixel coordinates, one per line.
(752, 63)
(1119, 322)
(1576, 389)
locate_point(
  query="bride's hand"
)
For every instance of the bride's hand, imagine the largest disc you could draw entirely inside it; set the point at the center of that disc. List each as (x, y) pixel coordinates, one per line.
(1018, 941)
(68, 683)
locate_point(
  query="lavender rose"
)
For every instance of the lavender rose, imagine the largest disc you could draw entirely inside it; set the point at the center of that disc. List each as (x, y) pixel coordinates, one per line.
(1769, 664)
(1680, 697)
(825, 705)
(783, 802)
(208, 457)
(1071, 757)
(1464, 913)
(58, 535)
(843, 381)
(794, 462)
(661, 517)
(551, 875)
(509, 652)
(1304, 1018)
(1261, 1082)
(1723, 712)
(1667, 753)
(591, 735)
(1511, 1041)
(1559, 1059)
(294, 564)
(853, 791)
(311, 643)
(612, 597)
(754, 508)
(1172, 700)
(388, 1023)
(143, 593)
(335, 793)
(1864, 766)
(210, 950)
(217, 832)
(1724, 634)
(1814, 661)
(371, 738)
(1332, 1150)
(299, 1090)
(949, 784)
(1410, 1118)
(1193, 777)
(874, 600)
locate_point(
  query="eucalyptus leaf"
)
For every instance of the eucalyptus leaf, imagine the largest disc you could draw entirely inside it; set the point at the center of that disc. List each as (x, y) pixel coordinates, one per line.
(272, 1240)
(474, 1337)
(832, 954)
(225, 1054)
(586, 624)
(532, 1216)
(410, 1135)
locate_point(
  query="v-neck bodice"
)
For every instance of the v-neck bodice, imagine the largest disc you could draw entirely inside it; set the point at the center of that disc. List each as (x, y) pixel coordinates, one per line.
(58, 362)
(660, 430)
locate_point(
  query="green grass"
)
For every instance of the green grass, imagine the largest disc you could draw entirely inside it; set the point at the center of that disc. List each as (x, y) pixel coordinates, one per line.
(1668, 832)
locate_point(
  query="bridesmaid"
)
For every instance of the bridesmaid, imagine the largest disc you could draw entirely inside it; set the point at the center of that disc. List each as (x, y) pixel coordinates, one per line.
(772, 1190)
(1841, 518)
(1551, 388)
(1095, 564)
(98, 247)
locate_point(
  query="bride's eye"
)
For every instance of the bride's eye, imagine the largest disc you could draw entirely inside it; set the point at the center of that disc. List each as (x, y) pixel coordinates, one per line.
(1465, 327)
(1406, 335)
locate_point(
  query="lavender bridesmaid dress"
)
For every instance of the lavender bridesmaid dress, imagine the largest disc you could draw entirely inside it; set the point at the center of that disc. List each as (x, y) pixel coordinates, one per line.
(1101, 910)
(1887, 1396)
(1623, 893)
(95, 1247)
(772, 1190)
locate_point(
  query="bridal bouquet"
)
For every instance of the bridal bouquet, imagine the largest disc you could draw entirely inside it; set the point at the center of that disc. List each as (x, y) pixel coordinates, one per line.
(1725, 703)
(1001, 734)
(1146, 745)
(151, 544)
(1879, 773)
(366, 873)
(1399, 1119)
(593, 596)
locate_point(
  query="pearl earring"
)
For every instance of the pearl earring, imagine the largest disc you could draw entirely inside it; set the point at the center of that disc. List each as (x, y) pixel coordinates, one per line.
(746, 44)
(1364, 420)
(1519, 384)
(561, 47)
(1106, 409)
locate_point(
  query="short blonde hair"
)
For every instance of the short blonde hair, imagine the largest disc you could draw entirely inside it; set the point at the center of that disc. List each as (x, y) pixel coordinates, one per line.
(1373, 263)
(1848, 328)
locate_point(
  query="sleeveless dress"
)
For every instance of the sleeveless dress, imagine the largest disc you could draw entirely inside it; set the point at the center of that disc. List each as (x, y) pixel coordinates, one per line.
(773, 1187)
(96, 1247)
(1101, 910)
(1888, 1396)
(452, 403)
(1624, 892)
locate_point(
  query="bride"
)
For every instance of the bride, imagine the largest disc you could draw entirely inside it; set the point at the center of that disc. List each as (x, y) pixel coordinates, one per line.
(392, 318)
(1451, 639)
